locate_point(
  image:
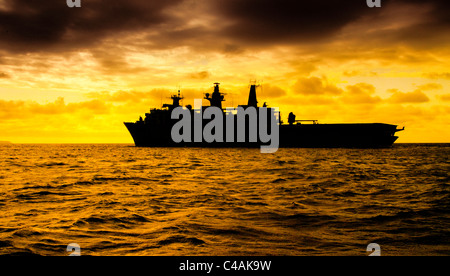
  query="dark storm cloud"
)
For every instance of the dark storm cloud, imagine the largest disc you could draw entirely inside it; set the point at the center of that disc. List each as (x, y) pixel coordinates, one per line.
(293, 21)
(31, 25)
(429, 32)
(440, 9)
(267, 21)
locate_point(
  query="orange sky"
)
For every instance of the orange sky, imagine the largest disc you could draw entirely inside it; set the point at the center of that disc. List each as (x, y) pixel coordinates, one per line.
(74, 75)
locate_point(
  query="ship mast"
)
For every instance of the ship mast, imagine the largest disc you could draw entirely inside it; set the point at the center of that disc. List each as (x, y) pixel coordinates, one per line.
(175, 101)
(216, 98)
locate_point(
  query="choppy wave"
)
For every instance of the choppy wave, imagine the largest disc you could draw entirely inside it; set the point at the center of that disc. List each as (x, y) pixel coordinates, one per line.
(123, 200)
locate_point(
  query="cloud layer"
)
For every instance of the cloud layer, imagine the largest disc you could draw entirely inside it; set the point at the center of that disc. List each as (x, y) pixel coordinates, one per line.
(27, 26)
(41, 25)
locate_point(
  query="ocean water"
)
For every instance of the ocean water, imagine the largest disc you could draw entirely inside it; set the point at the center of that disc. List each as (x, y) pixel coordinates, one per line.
(115, 199)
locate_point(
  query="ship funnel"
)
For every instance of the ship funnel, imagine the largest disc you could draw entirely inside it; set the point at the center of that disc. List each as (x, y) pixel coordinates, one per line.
(252, 96)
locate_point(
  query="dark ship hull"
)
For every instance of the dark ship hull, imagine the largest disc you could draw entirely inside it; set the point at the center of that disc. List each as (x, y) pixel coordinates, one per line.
(155, 130)
(293, 136)
(338, 135)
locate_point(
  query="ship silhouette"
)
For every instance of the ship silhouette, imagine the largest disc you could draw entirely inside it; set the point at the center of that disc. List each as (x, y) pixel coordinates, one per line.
(155, 129)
